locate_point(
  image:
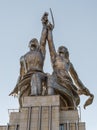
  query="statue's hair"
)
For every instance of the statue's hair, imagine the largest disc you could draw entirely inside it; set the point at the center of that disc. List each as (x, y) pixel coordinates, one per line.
(60, 47)
(66, 50)
(33, 40)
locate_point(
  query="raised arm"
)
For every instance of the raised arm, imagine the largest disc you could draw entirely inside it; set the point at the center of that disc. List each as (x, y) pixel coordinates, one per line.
(44, 33)
(51, 43)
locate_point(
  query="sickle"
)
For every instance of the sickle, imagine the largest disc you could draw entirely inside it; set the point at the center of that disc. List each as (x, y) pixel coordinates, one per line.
(52, 18)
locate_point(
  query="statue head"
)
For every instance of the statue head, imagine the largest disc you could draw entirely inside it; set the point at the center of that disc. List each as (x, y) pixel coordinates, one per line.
(63, 51)
(33, 44)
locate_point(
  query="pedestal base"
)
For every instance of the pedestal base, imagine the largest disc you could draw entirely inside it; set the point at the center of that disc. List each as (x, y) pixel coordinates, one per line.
(43, 113)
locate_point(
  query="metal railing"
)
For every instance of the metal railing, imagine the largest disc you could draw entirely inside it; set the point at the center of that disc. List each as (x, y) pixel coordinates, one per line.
(12, 110)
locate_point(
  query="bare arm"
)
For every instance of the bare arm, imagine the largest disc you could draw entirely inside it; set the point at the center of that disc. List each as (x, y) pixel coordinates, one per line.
(82, 89)
(51, 44)
(75, 77)
(22, 72)
(43, 33)
(23, 68)
(43, 41)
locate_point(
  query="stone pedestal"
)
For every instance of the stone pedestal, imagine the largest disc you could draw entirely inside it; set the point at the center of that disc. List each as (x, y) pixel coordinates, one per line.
(43, 113)
(69, 120)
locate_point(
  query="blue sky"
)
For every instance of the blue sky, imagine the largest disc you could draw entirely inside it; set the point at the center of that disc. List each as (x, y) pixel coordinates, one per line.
(75, 28)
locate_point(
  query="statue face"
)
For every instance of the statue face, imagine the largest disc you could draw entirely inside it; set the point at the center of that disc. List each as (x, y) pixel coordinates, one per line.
(63, 52)
(33, 44)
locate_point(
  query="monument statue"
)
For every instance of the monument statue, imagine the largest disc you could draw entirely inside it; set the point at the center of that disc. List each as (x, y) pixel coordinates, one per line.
(64, 80)
(32, 76)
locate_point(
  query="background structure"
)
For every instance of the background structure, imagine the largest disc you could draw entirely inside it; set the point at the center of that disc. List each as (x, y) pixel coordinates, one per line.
(75, 28)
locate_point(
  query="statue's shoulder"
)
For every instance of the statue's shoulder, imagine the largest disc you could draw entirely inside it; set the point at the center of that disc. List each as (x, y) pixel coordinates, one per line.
(24, 56)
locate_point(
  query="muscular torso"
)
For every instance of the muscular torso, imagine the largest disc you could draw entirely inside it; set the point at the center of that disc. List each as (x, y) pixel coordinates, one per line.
(34, 60)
